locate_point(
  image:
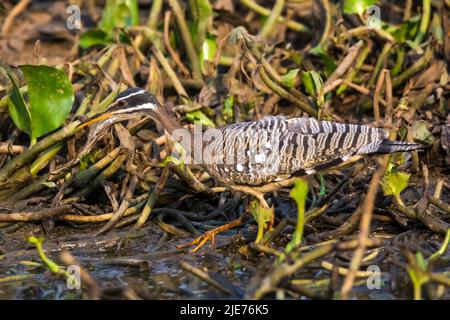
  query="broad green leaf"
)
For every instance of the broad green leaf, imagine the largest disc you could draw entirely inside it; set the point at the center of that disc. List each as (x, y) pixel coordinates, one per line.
(262, 216)
(18, 110)
(119, 14)
(199, 116)
(395, 182)
(288, 79)
(51, 96)
(357, 6)
(299, 193)
(94, 37)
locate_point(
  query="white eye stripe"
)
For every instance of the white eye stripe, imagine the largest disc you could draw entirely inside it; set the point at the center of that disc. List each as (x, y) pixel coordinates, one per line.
(131, 95)
(145, 106)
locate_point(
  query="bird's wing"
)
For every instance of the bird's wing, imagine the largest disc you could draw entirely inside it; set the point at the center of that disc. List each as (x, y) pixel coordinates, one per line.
(312, 145)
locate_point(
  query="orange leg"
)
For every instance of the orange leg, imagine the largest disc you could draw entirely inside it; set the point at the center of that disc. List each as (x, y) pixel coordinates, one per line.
(210, 234)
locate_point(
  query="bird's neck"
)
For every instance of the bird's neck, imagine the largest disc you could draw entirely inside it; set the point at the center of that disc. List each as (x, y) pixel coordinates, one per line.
(167, 121)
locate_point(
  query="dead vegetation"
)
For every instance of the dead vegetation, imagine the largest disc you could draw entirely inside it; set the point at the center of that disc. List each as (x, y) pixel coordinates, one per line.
(115, 208)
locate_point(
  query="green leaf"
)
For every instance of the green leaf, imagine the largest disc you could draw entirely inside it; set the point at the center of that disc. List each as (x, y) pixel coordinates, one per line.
(199, 116)
(313, 84)
(201, 20)
(330, 64)
(418, 274)
(299, 193)
(262, 217)
(404, 32)
(208, 51)
(422, 262)
(18, 110)
(228, 108)
(94, 37)
(357, 6)
(50, 264)
(288, 79)
(420, 132)
(51, 97)
(395, 182)
(119, 14)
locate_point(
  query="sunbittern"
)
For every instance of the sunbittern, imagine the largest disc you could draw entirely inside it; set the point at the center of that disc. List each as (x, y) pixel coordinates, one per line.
(260, 152)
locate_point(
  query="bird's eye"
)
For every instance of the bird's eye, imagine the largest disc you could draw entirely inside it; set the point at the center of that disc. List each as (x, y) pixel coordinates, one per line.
(121, 103)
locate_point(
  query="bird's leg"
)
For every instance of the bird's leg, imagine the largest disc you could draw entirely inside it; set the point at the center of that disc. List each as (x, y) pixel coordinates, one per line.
(210, 234)
(258, 195)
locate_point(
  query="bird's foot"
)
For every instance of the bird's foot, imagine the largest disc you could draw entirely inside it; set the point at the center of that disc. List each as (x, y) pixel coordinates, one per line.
(210, 235)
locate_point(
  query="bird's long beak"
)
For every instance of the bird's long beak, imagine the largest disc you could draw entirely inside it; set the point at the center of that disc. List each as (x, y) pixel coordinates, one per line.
(95, 119)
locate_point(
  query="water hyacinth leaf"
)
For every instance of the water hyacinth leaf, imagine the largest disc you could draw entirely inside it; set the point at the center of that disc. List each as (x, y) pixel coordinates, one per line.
(395, 182)
(289, 78)
(357, 6)
(18, 110)
(119, 14)
(199, 116)
(51, 96)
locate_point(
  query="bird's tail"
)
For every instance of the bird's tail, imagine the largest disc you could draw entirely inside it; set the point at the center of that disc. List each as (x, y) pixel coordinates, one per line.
(388, 146)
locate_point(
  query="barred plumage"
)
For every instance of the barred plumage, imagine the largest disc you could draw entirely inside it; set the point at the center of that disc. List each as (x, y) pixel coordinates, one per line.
(276, 148)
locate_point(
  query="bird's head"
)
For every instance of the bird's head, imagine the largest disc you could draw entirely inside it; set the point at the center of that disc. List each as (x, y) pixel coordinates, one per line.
(128, 104)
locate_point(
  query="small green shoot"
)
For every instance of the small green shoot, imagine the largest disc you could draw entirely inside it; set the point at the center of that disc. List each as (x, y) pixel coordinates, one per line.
(228, 108)
(171, 159)
(442, 249)
(288, 80)
(314, 85)
(417, 271)
(201, 19)
(329, 64)
(52, 266)
(263, 217)
(394, 183)
(208, 51)
(299, 193)
(199, 116)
